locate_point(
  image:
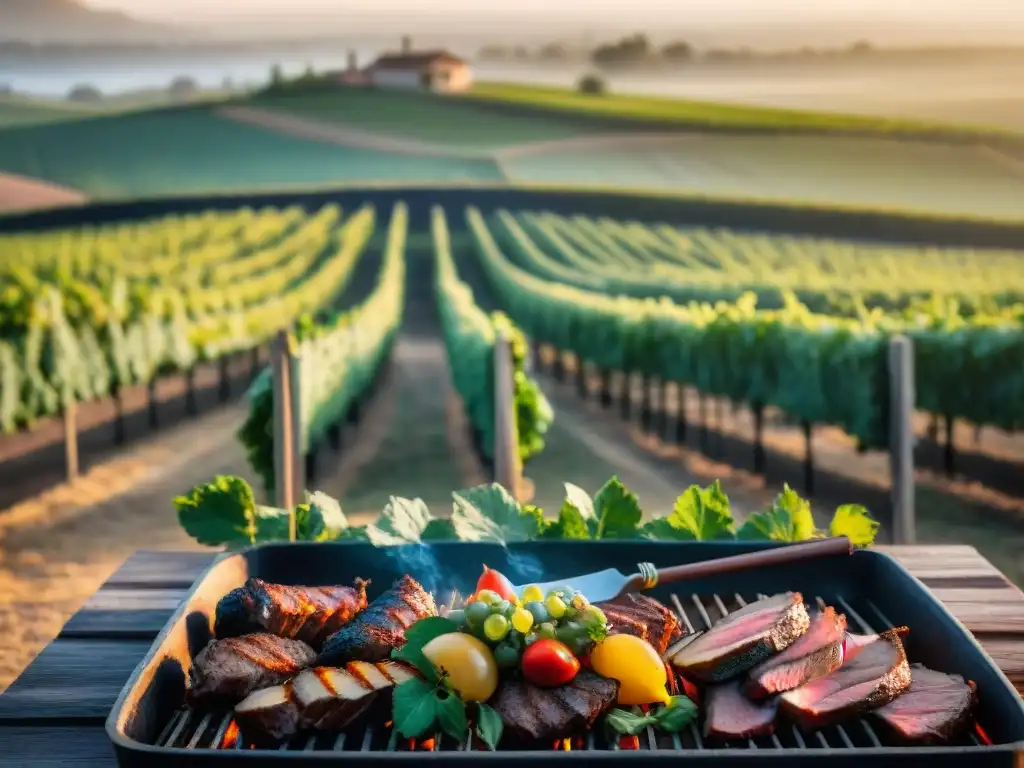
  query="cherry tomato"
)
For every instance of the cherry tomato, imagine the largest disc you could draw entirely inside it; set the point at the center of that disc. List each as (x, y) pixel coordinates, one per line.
(496, 582)
(549, 663)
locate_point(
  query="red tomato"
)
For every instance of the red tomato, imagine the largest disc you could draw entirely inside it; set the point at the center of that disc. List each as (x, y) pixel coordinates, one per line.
(496, 582)
(549, 663)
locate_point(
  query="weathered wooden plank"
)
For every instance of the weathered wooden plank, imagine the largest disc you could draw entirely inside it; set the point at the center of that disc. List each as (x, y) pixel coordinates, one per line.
(56, 746)
(116, 612)
(162, 569)
(72, 679)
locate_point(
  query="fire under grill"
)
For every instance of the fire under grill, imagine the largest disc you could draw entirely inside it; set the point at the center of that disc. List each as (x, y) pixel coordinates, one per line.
(217, 730)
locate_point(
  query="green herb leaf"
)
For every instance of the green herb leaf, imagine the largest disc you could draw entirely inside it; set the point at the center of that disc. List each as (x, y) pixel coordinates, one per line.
(219, 512)
(680, 712)
(272, 523)
(414, 708)
(624, 721)
(402, 521)
(489, 513)
(788, 519)
(699, 514)
(489, 726)
(570, 524)
(451, 714)
(439, 530)
(326, 521)
(856, 523)
(581, 500)
(618, 511)
(418, 635)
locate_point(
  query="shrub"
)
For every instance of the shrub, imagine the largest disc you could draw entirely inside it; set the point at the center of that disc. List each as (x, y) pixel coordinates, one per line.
(592, 85)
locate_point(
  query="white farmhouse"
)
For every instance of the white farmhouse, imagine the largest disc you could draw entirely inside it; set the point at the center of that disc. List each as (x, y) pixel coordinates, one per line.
(421, 70)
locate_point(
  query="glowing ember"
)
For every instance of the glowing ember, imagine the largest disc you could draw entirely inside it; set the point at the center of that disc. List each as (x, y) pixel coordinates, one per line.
(982, 736)
(230, 736)
(629, 742)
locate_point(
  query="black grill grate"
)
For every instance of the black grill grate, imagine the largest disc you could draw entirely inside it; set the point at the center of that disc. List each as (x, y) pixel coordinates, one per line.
(192, 730)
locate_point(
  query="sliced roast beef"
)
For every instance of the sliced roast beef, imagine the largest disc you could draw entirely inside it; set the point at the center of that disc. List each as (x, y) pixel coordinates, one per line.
(936, 708)
(228, 670)
(643, 616)
(381, 627)
(873, 674)
(729, 714)
(744, 639)
(309, 614)
(535, 714)
(815, 654)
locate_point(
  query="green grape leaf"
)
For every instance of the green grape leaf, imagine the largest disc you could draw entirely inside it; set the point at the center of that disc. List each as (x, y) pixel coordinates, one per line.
(439, 530)
(324, 522)
(570, 524)
(856, 523)
(581, 500)
(699, 514)
(618, 511)
(489, 513)
(788, 519)
(220, 512)
(402, 521)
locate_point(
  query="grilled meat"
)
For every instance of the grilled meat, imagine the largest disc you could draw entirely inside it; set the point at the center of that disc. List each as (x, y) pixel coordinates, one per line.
(815, 654)
(534, 714)
(322, 698)
(744, 639)
(936, 708)
(228, 670)
(645, 617)
(309, 614)
(729, 714)
(873, 674)
(381, 627)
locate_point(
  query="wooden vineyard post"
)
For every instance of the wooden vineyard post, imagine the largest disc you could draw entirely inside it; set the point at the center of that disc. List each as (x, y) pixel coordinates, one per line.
(191, 407)
(702, 432)
(808, 430)
(507, 466)
(605, 395)
(582, 390)
(254, 363)
(625, 395)
(118, 413)
(949, 449)
(71, 436)
(901, 438)
(302, 449)
(154, 414)
(224, 385)
(285, 446)
(663, 422)
(646, 406)
(758, 410)
(681, 413)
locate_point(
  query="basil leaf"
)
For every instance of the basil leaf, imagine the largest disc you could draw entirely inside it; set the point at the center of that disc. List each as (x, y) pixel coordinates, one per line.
(489, 726)
(623, 721)
(679, 713)
(414, 708)
(451, 714)
(417, 636)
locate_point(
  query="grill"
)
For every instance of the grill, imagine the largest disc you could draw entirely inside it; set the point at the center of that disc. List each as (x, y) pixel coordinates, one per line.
(191, 738)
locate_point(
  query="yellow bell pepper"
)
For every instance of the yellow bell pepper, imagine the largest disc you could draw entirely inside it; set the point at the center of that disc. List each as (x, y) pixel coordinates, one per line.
(636, 665)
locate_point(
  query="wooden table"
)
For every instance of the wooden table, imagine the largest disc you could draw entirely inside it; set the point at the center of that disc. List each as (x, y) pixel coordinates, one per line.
(53, 714)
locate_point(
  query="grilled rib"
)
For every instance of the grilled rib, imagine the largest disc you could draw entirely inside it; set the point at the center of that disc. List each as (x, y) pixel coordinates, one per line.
(228, 670)
(322, 698)
(381, 627)
(309, 614)
(534, 714)
(644, 617)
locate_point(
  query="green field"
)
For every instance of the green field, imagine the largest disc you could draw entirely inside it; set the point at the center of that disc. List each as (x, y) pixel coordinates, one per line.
(15, 110)
(191, 150)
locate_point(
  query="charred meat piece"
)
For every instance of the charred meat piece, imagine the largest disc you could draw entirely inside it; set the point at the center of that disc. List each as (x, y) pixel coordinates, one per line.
(744, 639)
(322, 698)
(729, 714)
(228, 670)
(936, 708)
(815, 654)
(309, 614)
(645, 617)
(381, 627)
(873, 674)
(536, 714)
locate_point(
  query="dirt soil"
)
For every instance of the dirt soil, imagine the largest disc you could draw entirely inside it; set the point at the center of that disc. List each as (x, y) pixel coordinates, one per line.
(18, 193)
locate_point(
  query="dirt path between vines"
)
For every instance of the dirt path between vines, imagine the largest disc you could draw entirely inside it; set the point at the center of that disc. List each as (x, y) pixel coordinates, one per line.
(22, 193)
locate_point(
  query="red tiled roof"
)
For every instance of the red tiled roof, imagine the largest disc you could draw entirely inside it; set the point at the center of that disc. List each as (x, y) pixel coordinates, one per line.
(415, 60)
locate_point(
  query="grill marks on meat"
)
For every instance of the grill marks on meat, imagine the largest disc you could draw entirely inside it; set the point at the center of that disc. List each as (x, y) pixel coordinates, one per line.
(815, 654)
(381, 627)
(644, 617)
(936, 708)
(872, 675)
(729, 714)
(744, 639)
(309, 614)
(322, 698)
(534, 714)
(228, 670)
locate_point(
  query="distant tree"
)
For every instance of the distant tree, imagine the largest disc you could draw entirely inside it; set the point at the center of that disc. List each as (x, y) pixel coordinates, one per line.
(493, 53)
(227, 84)
(310, 73)
(862, 46)
(85, 94)
(276, 76)
(554, 52)
(406, 44)
(592, 85)
(679, 50)
(521, 53)
(5, 89)
(634, 49)
(183, 88)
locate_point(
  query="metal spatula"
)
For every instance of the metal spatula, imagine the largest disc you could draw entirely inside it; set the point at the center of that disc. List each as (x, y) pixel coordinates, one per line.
(610, 583)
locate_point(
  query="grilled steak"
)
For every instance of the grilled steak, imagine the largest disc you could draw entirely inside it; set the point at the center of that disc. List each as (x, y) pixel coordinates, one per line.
(228, 670)
(322, 698)
(729, 714)
(815, 654)
(534, 714)
(873, 674)
(936, 708)
(744, 639)
(645, 617)
(381, 627)
(309, 614)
